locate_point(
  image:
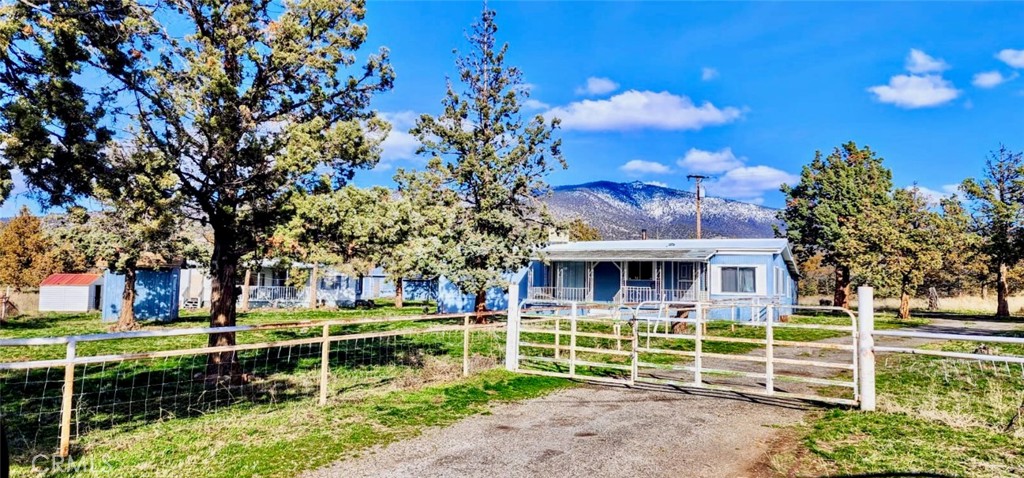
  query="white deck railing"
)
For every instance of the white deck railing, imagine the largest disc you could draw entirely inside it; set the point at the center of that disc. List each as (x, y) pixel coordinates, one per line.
(576, 294)
(632, 295)
(276, 293)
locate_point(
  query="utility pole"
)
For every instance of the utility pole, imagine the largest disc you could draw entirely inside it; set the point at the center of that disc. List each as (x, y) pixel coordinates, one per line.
(698, 178)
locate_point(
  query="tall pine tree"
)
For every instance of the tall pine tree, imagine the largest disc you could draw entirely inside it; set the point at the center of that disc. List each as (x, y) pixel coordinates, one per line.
(998, 202)
(821, 210)
(488, 164)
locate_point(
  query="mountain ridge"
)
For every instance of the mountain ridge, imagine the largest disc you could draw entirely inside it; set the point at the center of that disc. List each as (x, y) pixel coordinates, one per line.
(622, 210)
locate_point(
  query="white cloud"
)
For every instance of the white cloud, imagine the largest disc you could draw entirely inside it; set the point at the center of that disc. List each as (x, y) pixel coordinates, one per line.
(399, 144)
(642, 109)
(991, 79)
(749, 183)
(920, 62)
(639, 166)
(950, 189)
(1014, 58)
(656, 183)
(597, 86)
(707, 73)
(700, 161)
(930, 195)
(532, 104)
(915, 91)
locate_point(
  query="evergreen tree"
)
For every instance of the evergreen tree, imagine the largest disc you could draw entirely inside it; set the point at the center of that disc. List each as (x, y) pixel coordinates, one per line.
(901, 245)
(248, 102)
(579, 230)
(998, 213)
(822, 209)
(24, 252)
(488, 165)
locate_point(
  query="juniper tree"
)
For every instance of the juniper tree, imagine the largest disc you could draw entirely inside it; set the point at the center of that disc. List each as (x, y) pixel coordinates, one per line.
(998, 202)
(250, 102)
(821, 209)
(488, 163)
(902, 244)
(24, 252)
(580, 230)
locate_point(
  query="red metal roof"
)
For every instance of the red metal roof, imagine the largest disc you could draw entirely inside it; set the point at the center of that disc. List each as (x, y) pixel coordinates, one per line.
(70, 279)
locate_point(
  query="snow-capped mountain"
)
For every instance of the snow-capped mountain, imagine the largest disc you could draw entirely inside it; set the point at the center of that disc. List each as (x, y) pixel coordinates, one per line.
(621, 210)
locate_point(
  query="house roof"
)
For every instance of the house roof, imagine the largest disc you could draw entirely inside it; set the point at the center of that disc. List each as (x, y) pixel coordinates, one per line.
(664, 249)
(71, 279)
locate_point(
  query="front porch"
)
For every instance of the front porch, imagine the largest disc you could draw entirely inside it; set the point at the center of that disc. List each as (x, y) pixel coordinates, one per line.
(621, 282)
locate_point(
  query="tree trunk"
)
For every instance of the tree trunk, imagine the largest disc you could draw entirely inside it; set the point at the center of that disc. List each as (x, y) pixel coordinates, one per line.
(984, 292)
(314, 286)
(245, 290)
(126, 319)
(480, 305)
(841, 298)
(904, 305)
(1002, 291)
(399, 294)
(223, 295)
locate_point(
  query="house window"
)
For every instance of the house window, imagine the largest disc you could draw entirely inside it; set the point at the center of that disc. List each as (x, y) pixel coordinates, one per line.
(640, 271)
(739, 280)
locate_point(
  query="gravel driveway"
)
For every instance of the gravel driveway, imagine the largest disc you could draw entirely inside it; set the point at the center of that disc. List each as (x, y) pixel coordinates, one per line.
(590, 431)
(604, 431)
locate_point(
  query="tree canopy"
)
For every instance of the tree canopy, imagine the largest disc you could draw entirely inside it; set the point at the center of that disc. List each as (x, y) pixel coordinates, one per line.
(488, 162)
(821, 210)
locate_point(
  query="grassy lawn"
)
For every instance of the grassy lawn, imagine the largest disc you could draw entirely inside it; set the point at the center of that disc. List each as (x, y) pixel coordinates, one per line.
(282, 440)
(157, 417)
(58, 324)
(935, 415)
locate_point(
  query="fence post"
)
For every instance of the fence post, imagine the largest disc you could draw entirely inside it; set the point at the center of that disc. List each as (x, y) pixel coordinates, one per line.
(865, 349)
(635, 356)
(465, 346)
(698, 336)
(558, 337)
(325, 363)
(512, 329)
(65, 407)
(769, 353)
(572, 342)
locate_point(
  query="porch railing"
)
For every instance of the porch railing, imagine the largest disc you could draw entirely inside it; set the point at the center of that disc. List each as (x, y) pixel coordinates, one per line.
(633, 294)
(577, 294)
(276, 294)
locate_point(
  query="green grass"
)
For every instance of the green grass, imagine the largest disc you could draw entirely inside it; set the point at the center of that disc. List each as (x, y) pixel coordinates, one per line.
(57, 324)
(279, 441)
(935, 415)
(121, 397)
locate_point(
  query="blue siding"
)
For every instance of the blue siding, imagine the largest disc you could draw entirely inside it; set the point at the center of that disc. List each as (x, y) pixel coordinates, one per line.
(156, 295)
(606, 281)
(451, 300)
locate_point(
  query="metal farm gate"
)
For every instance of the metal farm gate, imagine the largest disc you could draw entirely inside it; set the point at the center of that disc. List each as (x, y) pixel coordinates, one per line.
(801, 352)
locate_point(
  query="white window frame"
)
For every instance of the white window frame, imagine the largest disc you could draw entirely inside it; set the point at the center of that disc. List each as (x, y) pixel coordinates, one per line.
(760, 280)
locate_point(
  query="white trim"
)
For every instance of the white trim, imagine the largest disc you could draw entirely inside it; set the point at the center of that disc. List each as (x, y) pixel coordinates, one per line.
(760, 280)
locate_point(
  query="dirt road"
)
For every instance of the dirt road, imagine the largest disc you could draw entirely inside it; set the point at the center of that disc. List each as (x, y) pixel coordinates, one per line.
(591, 431)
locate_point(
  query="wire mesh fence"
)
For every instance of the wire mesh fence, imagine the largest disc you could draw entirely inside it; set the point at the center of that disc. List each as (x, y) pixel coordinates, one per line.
(325, 362)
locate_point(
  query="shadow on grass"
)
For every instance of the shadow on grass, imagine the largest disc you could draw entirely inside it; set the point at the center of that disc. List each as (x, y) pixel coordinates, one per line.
(126, 395)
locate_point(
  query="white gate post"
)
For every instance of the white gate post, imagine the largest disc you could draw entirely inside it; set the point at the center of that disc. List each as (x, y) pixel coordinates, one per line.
(865, 349)
(698, 345)
(769, 353)
(512, 329)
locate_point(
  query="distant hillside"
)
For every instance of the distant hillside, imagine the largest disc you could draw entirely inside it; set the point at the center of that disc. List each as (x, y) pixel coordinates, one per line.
(621, 210)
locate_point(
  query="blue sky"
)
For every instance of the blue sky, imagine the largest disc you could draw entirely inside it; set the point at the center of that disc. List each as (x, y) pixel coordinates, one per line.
(744, 92)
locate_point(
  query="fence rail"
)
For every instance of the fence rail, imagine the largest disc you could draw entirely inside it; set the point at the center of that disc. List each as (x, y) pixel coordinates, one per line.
(275, 362)
(650, 343)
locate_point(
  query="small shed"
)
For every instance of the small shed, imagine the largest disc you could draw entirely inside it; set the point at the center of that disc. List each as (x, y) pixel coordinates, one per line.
(70, 293)
(156, 294)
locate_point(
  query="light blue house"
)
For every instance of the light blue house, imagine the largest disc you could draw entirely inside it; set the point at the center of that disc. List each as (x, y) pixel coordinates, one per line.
(156, 294)
(734, 271)
(754, 271)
